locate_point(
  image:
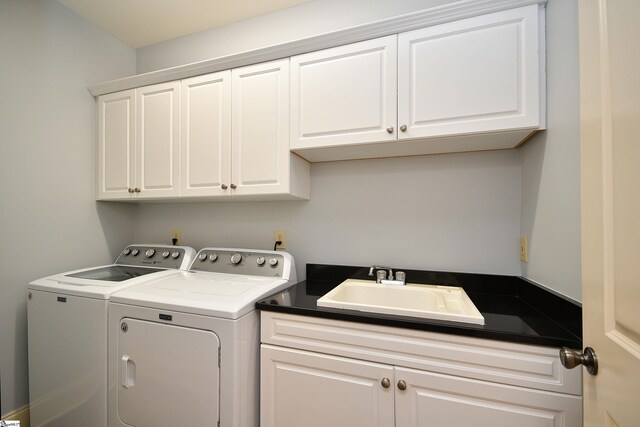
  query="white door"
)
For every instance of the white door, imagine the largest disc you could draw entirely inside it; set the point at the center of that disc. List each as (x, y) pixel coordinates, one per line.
(116, 144)
(610, 113)
(206, 135)
(345, 95)
(157, 140)
(474, 75)
(300, 388)
(430, 399)
(260, 129)
(168, 375)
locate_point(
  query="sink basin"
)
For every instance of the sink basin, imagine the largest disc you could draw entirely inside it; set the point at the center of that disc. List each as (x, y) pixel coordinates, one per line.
(426, 301)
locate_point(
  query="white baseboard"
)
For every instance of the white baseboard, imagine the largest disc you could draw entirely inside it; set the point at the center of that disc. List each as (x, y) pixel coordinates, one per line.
(20, 414)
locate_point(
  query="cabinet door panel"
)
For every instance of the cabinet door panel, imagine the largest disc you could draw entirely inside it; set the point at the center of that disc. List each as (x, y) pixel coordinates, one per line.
(260, 128)
(116, 144)
(436, 400)
(476, 75)
(305, 389)
(206, 135)
(158, 136)
(345, 95)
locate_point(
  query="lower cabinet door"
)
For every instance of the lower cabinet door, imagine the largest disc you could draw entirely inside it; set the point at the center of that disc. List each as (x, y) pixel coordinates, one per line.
(300, 388)
(429, 399)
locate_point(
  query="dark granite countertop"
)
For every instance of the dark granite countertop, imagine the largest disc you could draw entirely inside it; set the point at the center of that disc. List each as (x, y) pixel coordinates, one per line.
(514, 309)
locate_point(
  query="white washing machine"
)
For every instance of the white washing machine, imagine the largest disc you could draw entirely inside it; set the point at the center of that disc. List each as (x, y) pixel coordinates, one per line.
(67, 327)
(184, 349)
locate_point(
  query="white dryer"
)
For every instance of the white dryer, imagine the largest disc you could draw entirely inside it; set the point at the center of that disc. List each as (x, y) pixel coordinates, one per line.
(184, 349)
(67, 333)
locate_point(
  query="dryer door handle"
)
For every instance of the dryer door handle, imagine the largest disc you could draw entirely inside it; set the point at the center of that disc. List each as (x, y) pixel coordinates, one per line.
(127, 372)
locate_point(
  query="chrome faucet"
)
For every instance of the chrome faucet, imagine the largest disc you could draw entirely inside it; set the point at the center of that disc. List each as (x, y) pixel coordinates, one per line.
(379, 279)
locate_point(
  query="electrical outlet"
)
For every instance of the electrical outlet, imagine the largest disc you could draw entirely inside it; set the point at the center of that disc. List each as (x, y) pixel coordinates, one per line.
(524, 250)
(280, 235)
(175, 234)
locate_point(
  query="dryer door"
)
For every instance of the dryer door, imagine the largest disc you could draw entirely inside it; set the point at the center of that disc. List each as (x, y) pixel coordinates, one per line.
(168, 375)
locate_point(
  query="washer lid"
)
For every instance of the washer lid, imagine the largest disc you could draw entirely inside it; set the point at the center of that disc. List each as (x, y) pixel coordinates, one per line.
(210, 294)
(114, 273)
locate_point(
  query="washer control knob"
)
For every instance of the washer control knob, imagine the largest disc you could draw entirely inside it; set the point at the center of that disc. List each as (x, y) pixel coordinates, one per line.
(273, 262)
(126, 252)
(150, 253)
(135, 252)
(202, 256)
(236, 258)
(260, 260)
(166, 254)
(175, 255)
(213, 257)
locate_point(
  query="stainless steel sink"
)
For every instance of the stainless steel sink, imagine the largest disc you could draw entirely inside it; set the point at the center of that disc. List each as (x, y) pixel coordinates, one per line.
(426, 301)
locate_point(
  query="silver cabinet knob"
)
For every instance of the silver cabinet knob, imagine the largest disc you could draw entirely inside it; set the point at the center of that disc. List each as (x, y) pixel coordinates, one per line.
(385, 382)
(137, 190)
(233, 186)
(571, 358)
(390, 129)
(402, 385)
(403, 128)
(224, 186)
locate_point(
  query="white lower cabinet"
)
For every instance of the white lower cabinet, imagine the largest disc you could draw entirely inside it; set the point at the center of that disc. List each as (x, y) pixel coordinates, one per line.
(317, 390)
(432, 399)
(319, 372)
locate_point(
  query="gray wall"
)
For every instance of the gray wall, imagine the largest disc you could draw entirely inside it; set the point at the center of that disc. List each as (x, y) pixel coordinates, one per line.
(547, 167)
(551, 165)
(457, 212)
(50, 221)
(308, 19)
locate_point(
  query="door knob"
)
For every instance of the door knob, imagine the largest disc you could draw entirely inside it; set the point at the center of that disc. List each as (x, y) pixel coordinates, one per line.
(571, 358)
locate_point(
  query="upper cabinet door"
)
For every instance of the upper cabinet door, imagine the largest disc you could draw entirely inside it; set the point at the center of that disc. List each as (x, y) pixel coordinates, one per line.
(116, 145)
(260, 129)
(206, 135)
(158, 139)
(471, 76)
(345, 95)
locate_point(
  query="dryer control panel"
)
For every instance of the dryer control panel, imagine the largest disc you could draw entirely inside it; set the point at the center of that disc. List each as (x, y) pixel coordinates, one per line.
(243, 261)
(159, 256)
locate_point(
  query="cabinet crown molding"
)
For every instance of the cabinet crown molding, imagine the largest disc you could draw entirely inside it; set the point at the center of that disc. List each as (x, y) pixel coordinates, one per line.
(438, 15)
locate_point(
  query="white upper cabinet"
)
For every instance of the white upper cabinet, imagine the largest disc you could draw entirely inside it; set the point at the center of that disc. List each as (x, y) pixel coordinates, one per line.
(261, 160)
(206, 135)
(467, 85)
(116, 145)
(471, 76)
(345, 95)
(219, 135)
(158, 139)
